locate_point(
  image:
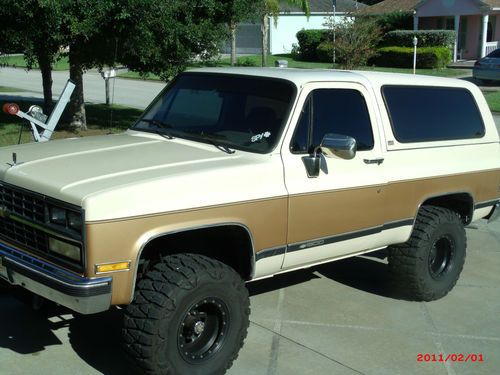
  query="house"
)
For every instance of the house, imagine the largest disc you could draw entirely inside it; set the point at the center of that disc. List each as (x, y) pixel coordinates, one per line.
(291, 20)
(476, 22)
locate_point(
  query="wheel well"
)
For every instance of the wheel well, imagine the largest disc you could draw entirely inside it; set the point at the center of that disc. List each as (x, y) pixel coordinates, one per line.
(461, 203)
(229, 244)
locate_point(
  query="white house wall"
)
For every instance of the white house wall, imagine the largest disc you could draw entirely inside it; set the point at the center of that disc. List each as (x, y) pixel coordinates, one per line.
(282, 36)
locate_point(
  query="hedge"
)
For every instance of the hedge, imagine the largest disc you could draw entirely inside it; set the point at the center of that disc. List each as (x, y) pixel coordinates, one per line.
(426, 38)
(324, 51)
(402, 57)
(309, 40)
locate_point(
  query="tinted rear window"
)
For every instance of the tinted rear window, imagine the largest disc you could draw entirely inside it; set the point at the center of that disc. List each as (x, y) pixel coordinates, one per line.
(423, 114)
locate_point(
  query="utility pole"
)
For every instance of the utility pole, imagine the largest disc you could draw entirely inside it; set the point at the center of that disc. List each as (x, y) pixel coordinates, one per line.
(334, 4)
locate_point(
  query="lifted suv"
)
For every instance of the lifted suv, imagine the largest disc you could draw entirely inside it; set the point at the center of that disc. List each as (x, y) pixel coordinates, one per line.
(232, 175)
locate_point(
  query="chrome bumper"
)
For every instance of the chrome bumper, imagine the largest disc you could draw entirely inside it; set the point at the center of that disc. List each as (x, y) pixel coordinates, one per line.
(83, 295)
(494, 214)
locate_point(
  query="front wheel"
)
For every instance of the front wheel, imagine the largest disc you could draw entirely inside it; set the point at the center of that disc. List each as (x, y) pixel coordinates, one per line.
(429, 264)
(190, 315)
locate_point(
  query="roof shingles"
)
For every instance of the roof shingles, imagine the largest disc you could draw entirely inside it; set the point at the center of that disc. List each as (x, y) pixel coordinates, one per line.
(390, 6)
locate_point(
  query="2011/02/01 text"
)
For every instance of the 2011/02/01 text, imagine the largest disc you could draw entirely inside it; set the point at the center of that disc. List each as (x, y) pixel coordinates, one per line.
(452, 357)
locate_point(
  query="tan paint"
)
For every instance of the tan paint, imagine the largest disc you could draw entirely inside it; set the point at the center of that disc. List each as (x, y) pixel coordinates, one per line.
(329, 213)
(115, 241)
(322, 214)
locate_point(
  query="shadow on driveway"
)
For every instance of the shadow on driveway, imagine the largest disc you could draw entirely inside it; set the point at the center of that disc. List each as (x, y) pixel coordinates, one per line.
(96, 339)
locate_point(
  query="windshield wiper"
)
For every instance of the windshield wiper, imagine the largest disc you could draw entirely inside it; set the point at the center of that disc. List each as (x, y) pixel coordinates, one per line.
(213, 139)
(160, 125)
(157, 123)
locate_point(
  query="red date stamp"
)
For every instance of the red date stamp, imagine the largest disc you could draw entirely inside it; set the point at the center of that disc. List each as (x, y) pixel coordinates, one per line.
(452, 357)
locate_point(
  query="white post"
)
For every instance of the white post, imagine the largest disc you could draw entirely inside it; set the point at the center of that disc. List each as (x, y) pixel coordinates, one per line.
(484, 33)
(415, 21)
(415, 42)
(455, 45)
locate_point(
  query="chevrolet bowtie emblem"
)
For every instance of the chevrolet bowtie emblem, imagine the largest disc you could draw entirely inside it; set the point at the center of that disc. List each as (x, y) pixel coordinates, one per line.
(14, 160)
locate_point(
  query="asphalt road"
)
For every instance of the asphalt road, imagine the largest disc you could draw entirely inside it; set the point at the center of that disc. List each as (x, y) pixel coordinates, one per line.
(133, 93)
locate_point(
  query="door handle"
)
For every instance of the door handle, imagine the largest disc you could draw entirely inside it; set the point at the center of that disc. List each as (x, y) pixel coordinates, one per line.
(377, 161)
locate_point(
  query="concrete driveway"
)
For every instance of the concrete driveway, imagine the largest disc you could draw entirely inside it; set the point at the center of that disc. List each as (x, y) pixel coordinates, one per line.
(340, 318)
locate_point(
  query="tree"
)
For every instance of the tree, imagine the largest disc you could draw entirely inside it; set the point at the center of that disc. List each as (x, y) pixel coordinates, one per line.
(161, 37)
(147, 35)
(237, 11)
(271, 8)
(33, 28)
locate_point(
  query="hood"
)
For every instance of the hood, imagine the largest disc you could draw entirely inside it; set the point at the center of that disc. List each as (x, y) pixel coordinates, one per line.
(137, 173)
(71, 169)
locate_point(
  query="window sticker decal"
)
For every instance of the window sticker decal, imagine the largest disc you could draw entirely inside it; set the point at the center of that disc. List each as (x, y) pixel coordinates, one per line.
(259, 137)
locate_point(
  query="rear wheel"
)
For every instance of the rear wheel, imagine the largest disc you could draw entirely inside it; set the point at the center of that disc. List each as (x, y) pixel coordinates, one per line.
(428, 266)
(190, 315)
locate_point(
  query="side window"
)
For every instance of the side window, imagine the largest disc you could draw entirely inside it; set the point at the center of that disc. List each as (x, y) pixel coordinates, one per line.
(424, 114)
(300, 142)
(339, 111)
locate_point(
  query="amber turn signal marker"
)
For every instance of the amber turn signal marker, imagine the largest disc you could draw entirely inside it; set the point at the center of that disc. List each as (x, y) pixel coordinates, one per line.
(111, 267)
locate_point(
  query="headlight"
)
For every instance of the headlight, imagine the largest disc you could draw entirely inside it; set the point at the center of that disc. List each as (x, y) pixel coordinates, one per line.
(65, 249)
(57, 215)
(75, 221)
(66, 218)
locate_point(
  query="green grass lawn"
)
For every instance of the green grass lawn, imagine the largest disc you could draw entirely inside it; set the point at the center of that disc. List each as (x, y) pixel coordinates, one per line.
(4, 89)
(101, 119)
(255, 60)
(250, 60)
(493, 99)
(19, 62)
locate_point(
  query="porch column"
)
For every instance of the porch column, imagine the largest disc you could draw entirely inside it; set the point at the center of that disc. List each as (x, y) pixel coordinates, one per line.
(415, 21)
(455, 45)
(484, 33)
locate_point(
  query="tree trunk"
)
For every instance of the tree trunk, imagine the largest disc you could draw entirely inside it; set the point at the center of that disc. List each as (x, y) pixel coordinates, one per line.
(77, 104)
(46, 70)
(265, 38)
(232, 27)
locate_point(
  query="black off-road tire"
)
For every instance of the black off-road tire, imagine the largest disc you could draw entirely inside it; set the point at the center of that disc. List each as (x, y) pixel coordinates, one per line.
(190, 315)
(428, 265)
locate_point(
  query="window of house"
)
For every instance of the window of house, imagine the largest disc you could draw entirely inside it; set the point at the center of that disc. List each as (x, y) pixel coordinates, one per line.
(339, 111)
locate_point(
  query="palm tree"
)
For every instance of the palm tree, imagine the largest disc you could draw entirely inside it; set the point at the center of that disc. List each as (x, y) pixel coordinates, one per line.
(271, 8)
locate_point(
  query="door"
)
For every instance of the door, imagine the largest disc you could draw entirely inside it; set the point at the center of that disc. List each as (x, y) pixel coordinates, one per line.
(340, 211)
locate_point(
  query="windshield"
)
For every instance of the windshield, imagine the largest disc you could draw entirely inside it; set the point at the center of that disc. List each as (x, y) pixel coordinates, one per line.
(240, 112)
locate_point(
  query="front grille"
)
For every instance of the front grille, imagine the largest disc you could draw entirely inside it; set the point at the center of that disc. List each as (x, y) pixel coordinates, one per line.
(22, 203)
(23, 234)
(23, 222)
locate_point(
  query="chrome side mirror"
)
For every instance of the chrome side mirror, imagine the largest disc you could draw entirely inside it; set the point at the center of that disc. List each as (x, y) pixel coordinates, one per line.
(343, 146)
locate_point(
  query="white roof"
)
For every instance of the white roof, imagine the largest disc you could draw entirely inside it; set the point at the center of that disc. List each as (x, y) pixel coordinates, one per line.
(368, 78)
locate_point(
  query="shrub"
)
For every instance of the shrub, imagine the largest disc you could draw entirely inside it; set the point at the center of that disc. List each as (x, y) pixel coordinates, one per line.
(355, 42)
(309, 40)
(325, 51)
(395, 21)
(402, 57)
(426, 38)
